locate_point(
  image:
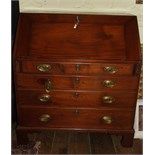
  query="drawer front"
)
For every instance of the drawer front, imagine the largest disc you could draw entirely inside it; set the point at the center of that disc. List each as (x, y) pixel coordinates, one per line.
(76, 118)
(25, 81)
(41, 98)
(77, 68)
(77, 98)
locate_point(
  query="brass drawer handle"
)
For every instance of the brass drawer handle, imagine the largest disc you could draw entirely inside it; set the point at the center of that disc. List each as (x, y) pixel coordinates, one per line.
(108, 99)
(44, 67)
(44, 98)
(110, 69)
(48, 86)
(107, 119)
(45, 118)
(108, 83)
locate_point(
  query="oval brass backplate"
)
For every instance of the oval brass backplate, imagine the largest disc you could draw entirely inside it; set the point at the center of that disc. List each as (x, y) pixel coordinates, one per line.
(108, 83)
(108, 99)
(107, 119)
(111, 69)
(44, 98)
(45, 118)
(44, 67)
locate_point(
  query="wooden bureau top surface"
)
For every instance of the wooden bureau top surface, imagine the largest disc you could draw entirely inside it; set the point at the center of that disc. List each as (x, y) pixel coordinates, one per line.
(97, 37)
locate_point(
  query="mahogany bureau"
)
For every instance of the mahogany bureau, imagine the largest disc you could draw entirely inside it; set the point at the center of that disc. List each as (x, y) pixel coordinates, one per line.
(76, 72)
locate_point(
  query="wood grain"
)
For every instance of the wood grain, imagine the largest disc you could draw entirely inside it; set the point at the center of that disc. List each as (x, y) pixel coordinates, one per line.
(71, 98)
(60, 143)
(29, 81)
(101, 144)
(79, 143)
(76, 95)
(46, 139)
(97, 37)
(83, 69)
(76, 118)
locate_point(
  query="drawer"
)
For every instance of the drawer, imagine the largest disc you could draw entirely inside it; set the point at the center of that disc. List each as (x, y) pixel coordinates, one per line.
(77, 68)
(44, 82)
(76, 118)
(77, 98)
(41, 98)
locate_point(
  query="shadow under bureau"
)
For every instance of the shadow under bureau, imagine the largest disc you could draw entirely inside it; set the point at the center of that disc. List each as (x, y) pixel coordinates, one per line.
(76, 72)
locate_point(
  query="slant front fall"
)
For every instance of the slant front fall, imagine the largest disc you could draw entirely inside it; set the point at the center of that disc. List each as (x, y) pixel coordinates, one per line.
(76, 72)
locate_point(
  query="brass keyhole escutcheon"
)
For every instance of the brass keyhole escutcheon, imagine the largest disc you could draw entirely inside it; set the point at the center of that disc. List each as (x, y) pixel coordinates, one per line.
(44, 67)
(108, 83)
(108, 99)
(77, 112)
(44, 98)
(76, 81)
(107, 119)
(77, 66)
(45, 118)
(76, 94)
(110, 69)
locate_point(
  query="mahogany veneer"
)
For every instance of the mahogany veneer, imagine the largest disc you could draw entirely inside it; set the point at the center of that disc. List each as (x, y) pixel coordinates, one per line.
(77, 72)
(77, 98)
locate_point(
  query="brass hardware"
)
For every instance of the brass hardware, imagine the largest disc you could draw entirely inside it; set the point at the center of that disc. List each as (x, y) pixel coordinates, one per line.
(76, 81)
(109, 83)
(77, 22)
(77, 112)
(76, 94)
(44, 98)
(44, 67)
(108, 99)
(110, 69)
(45, 118)
(77, 67)
(107, 119)
(48, 86)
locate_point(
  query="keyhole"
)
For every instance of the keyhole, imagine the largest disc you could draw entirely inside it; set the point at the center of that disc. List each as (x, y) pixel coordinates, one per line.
(76, 94)
(77, 112)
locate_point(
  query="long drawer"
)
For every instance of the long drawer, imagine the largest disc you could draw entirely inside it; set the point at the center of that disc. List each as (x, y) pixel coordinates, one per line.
(76, 118)
(77, 68)
(76, 98)
(34, 81)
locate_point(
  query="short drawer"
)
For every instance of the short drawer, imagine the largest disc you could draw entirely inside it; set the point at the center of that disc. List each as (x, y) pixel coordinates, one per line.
(61, 68)
(77, 98)
(49, 83)
(76, 118)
